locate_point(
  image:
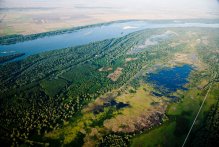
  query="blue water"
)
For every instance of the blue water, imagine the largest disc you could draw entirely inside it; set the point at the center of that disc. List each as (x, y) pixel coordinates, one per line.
(90, 34)
(156, 94)
(169, 80)
(112, 103)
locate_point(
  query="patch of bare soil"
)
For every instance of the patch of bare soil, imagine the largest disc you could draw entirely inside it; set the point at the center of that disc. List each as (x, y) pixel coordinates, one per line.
(105, 69)
(191, 59)
(205, 40)
(216, 51)
(130, 59)
(145, 121)
(116, 74)
(174, 44)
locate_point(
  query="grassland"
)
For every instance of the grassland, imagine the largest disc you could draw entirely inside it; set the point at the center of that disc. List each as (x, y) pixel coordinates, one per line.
(159, 136)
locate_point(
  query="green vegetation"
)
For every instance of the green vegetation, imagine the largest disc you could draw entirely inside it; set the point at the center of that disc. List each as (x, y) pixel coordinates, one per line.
(207, 134)
(4, 59)
(51, 98)
(53, 87)
(159, 136)
(112, 140)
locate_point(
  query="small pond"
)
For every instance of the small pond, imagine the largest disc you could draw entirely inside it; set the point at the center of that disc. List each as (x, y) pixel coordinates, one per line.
(169, 80)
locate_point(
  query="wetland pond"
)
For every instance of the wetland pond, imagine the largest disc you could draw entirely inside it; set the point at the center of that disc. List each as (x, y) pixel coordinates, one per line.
(168, 80)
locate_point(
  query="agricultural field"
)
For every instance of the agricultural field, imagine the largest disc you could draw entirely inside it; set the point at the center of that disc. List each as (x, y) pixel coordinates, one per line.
(141, 89)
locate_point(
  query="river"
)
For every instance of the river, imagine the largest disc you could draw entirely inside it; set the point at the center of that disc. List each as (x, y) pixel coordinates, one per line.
(91, 34)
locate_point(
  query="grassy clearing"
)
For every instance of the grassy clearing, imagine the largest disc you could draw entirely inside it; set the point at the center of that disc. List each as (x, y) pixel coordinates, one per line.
(140, 109)
(69, 131)
(160, 136)
(77, 74)
(53, 87)
(85, 124)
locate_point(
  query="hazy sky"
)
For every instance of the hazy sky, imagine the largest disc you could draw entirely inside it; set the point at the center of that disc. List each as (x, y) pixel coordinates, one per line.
(168, 7)
(204, 6)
